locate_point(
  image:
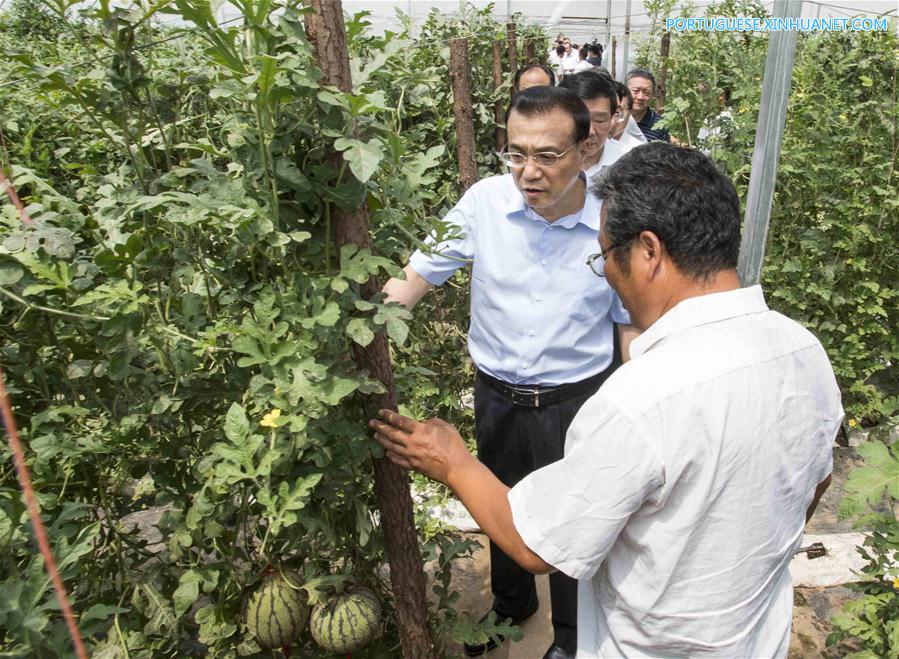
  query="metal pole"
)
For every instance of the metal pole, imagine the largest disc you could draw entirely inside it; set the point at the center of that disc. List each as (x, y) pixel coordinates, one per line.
(768, 136)
(625, 61)
(608, 24)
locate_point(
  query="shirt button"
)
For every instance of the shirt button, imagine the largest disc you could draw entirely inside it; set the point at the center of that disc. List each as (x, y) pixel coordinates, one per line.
(531, 333)
(542, 261)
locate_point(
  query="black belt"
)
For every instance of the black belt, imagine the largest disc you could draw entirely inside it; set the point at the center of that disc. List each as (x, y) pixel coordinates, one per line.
(538, 395)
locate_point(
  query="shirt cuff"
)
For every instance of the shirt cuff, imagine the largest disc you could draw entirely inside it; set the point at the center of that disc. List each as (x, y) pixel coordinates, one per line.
(432, 270)
(545, 548)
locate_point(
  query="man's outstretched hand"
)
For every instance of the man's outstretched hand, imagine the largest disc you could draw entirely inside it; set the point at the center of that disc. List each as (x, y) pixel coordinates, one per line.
(433, 447)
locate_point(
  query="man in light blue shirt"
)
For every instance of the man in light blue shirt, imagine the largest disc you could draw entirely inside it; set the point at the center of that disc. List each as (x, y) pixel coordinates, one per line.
(542, 327)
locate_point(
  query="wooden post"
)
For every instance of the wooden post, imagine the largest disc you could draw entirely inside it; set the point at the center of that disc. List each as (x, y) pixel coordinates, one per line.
(530, 55)
(626, 59)
(512, 38)
(663, 73)
(327, 33)
(499, 111)
(463, 115)
(614, 48)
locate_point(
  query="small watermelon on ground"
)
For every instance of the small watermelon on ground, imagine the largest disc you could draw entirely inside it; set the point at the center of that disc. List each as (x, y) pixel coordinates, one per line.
(346, 622)
(277, 612)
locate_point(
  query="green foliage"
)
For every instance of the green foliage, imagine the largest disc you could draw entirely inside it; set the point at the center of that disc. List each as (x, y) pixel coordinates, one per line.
(176, 324)
(830, 261)
(873, 618)
(32, 20)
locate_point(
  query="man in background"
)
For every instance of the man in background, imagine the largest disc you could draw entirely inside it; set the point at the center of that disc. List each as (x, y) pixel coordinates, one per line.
(598, 93)
(624, 129)
(642, 85)
(569, 59)
(532, 75)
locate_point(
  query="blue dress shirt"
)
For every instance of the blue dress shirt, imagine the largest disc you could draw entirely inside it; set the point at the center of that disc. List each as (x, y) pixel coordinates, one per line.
(538, 313)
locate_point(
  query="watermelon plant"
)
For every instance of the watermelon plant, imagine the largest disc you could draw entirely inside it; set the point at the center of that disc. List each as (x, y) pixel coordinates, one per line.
(178, 323)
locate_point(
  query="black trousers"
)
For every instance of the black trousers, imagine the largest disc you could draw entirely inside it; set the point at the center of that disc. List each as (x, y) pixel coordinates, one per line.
(513, 441)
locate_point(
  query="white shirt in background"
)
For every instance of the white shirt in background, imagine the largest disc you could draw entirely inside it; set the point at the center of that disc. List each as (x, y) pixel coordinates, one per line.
(569, 61)
(632, 136)
(554, 60)
(612, 150)
(686, 478)
(582, 65)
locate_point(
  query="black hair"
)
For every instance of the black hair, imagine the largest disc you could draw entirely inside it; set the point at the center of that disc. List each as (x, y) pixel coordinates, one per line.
(583, 53)
(592, 84)
(544, 99)
(560, 51)
(680, 195)
(596, 49)
(527, 67)
(641, 73)
(624, 92)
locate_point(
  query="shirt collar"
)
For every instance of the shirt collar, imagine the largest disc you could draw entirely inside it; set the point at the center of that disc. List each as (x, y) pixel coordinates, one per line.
(700, 310)
(588, 215)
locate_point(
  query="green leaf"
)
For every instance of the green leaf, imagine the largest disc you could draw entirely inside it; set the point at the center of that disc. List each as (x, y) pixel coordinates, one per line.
(187, 592)
(237, 426)
(359, 331)
(394, 317)
(363, 157)
(867, 484)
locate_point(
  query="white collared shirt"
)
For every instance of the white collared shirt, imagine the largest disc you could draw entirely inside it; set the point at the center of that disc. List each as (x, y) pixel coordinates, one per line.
(611, 151)
(632, 136)
(686, 478)
(569, 62)
(538, 313)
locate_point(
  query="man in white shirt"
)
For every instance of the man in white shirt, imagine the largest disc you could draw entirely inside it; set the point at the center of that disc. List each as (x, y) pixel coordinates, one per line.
(569, 59)
(542, 330)
(598, 93)
(688, 477)
(624, 129)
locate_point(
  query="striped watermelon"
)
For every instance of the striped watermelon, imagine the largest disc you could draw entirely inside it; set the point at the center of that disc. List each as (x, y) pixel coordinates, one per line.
(276, 613)
(346, 622)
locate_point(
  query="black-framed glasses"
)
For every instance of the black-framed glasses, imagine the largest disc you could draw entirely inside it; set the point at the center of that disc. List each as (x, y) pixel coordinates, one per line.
(546, 159)
(597, 262)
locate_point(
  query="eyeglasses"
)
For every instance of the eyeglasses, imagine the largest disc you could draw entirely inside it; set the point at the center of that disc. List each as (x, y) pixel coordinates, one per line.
(620, 115)
(597, 262)
(544, 159)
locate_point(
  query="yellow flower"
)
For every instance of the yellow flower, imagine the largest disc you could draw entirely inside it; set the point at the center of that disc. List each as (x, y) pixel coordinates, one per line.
(896, 583)
(268, 421)
(852, 423)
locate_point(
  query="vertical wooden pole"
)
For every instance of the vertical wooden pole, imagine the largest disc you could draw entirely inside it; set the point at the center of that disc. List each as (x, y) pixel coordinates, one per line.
(512, 37)
(614, 55)
(327, 33)
(663, 73)
(463, 115)
(530, 55)
(626, 58)
(499, 112)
